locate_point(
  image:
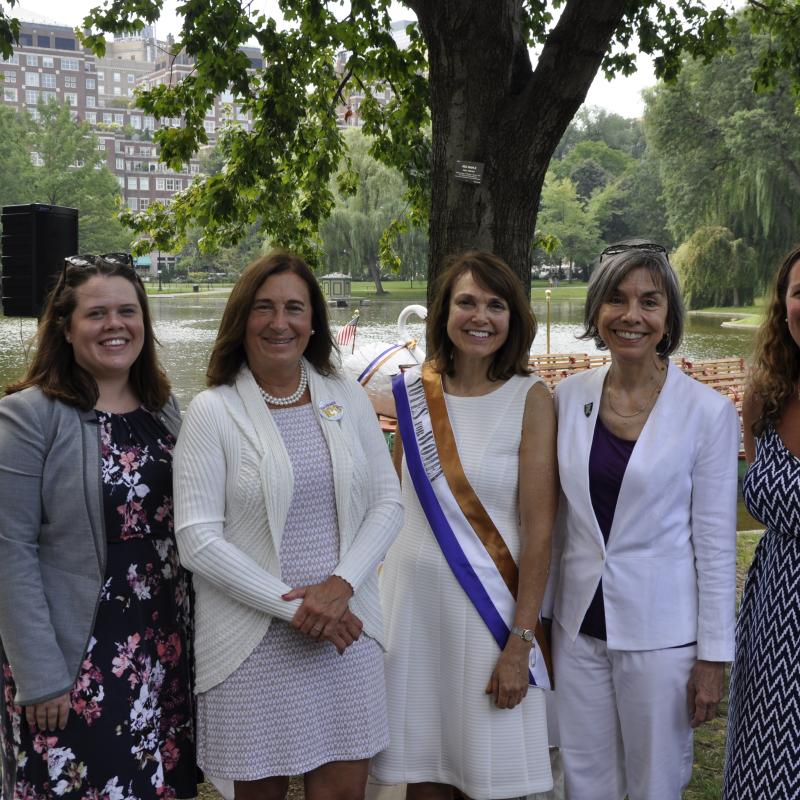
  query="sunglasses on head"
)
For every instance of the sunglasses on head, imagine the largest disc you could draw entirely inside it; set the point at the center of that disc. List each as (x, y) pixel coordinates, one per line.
(649, 247)
(87, 260)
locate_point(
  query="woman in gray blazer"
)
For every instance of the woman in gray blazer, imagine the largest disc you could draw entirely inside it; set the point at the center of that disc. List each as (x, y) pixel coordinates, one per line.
(94, 615)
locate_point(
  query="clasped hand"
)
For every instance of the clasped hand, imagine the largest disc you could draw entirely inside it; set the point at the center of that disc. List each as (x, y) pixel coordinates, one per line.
(324, 615)
(49, 714)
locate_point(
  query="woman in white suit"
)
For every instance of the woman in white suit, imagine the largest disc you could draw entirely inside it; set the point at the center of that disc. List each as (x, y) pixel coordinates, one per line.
(645, 553)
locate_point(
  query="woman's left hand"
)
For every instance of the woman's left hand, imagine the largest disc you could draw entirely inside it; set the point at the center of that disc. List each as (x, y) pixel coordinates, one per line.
(509, 682)
(324, 604)
(704, 691)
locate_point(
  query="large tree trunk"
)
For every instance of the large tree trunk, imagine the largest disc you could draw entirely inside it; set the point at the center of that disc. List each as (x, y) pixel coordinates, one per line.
(488, 105)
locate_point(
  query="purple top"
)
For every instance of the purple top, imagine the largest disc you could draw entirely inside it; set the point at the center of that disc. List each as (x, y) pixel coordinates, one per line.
(608, 460)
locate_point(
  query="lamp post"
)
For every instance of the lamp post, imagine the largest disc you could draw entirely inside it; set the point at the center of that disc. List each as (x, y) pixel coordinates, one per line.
(547, 297)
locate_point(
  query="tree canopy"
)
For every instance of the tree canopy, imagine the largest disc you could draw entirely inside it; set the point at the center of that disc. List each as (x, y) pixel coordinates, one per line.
(465, 73)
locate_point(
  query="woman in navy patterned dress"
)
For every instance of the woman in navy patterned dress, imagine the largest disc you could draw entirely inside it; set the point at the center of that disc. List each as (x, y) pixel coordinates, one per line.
(97, 701)
(763, 751)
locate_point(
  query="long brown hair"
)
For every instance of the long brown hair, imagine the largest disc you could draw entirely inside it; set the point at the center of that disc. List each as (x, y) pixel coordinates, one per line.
(776, 361)
(494, 275)
(53, 368)
(228, 353)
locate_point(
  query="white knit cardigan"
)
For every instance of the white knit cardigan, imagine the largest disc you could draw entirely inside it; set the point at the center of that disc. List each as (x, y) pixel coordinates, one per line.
(233, 487)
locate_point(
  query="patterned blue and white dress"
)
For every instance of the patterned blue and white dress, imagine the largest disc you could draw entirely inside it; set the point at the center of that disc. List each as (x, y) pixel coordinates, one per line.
(763, 750)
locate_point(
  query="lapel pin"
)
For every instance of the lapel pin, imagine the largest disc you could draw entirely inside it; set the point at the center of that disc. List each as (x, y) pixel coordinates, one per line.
(587, 408)
(331, 410)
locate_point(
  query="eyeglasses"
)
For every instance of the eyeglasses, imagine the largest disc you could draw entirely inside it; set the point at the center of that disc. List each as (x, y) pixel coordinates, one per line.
(649, 247)
(87, 260)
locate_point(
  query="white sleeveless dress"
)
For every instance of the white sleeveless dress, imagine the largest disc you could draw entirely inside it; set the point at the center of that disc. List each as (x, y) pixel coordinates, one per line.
(443, 728)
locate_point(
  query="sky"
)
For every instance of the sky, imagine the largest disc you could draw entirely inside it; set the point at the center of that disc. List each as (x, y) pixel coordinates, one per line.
(621, 96)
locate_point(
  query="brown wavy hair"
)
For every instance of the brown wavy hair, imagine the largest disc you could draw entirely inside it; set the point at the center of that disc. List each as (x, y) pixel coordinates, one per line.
(228, 353)
(53, 368)
(776, 361)
(494, 275)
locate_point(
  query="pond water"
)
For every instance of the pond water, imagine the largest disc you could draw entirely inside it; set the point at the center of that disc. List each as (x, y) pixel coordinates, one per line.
(186, 326)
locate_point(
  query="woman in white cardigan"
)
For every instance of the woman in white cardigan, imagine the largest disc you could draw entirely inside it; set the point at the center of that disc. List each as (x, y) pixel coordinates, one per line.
(286, 501)
(645, 551)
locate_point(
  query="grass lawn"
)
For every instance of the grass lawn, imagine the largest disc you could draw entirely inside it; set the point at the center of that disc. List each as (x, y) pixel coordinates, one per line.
(182, 288)
(709, 741)
(402, 290)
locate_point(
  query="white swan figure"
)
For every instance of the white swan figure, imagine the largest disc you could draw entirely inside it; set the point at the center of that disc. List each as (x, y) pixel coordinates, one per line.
(374, 363)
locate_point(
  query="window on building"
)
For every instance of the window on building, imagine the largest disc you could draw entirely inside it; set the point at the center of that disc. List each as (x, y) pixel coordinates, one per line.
(132, 183)
(78, 163)
(36, 159)
(120, 163)
(10, 77)
(117, 91)
(143, 203)
(90, 83)
(70, 98)
(12, 59)
(160, 184)
(91, 118)
(34, 113)
(70, 81)
(121, 181)
(26, 38)
(48, 62)
(130, 78)
(9, 95)
(133, 203)
(136, 123)
(107, 118)
(70, 64)
(43, 41)
(73, 114)
(47, 96)
(149, 123)
(119, 119)
(91, 102)
(209, 125)
(173, 184)
(144, 184)
(130, 92)
(48, 80)
(32, 78)
(194, 168)
(65, 44)
(101, 76)
(32, 61)
(117, 77)
(31, 97)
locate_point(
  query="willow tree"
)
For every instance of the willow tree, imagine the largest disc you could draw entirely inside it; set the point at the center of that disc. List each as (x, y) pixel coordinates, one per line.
(728, 156)
(466, 73)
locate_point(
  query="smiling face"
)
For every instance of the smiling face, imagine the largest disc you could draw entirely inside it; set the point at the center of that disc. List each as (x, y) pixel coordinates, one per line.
(477, 321)
(793, 302)
(106, 329)
(633, 318)
(279, 326)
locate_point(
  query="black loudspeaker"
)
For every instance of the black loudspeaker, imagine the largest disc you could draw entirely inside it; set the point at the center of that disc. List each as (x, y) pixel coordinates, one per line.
(36, 240)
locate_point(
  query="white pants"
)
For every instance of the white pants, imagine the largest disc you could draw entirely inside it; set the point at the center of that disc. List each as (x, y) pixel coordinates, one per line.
(623, 720)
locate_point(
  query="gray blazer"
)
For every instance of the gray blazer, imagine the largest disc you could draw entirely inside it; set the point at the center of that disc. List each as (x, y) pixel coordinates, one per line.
(52, 538)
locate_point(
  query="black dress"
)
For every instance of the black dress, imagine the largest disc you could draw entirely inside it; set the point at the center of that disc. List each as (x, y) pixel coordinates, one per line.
(130, 734)
(763, 751)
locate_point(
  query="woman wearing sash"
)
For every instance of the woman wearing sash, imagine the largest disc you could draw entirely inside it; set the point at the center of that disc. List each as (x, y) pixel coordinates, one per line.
(285, 503)
(644, 559)
(462, 585)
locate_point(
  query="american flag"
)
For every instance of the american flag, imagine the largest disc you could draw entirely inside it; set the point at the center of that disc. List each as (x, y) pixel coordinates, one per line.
(347, 333)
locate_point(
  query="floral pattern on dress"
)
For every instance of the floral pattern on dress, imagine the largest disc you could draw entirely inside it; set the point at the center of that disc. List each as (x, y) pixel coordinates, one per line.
(130, 732)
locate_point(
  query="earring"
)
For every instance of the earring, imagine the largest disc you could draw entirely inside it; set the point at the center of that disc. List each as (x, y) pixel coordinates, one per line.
(313, 331)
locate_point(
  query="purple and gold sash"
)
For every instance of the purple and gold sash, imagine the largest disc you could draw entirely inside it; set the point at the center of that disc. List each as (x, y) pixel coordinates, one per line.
(471, 544)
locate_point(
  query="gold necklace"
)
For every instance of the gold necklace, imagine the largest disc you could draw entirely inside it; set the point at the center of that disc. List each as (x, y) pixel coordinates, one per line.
(650, 400)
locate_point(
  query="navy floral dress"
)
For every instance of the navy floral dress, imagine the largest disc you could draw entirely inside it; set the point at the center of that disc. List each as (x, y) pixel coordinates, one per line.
(130, 733)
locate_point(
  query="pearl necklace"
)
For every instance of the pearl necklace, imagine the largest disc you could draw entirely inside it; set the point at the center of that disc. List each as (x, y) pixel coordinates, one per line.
(294, 396)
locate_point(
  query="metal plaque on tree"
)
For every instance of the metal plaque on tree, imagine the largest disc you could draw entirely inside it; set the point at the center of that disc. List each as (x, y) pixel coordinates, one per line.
(469, 171)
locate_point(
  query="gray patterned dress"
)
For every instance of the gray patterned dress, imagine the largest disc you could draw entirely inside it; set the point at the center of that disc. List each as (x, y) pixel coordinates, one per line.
(295, 704)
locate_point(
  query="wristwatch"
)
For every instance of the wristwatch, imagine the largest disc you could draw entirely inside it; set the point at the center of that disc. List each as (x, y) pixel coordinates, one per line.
(523, 633)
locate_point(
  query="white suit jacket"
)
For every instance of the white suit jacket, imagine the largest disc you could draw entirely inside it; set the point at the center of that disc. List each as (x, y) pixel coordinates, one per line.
(669, 570)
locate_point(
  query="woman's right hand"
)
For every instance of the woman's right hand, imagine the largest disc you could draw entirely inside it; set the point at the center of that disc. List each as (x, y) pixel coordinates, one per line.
(49, 713)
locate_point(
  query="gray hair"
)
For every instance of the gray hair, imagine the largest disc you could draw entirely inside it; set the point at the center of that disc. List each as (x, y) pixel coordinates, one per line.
(612, 270)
